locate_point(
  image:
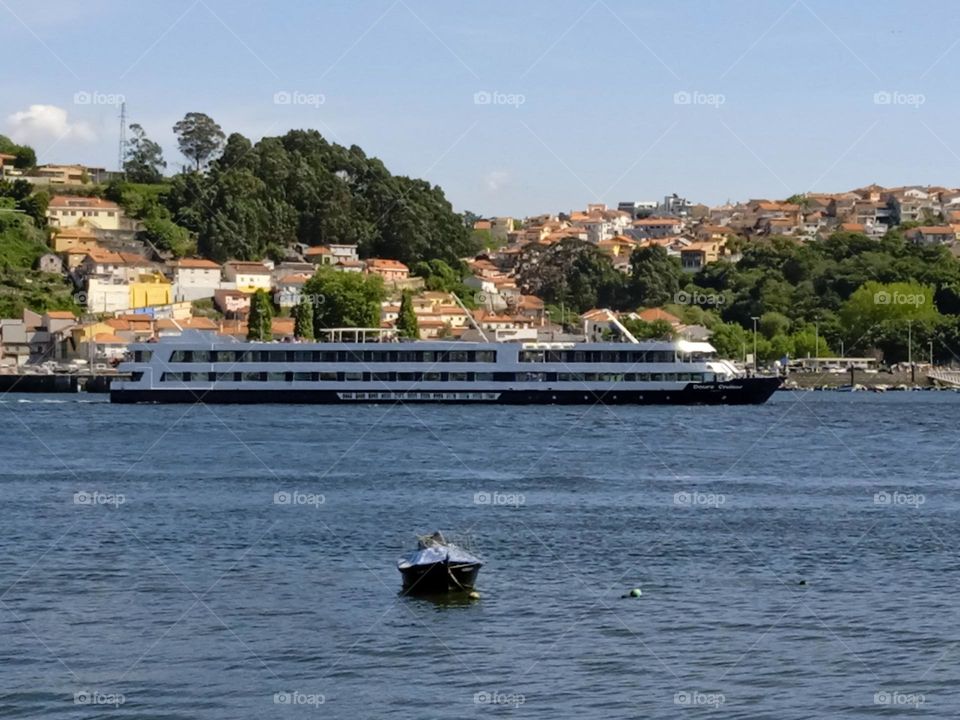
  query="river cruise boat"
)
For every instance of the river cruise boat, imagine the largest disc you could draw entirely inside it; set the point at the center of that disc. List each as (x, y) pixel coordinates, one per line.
(199, 367)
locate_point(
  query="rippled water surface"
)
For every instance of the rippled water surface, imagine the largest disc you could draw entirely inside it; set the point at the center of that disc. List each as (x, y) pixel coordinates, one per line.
(797, 560)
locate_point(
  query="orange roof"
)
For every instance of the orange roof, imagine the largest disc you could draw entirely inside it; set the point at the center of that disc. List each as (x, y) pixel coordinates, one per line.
(656, 221)
(317, 250)
(108, 339)
(853, 227)
(654, 314)
(195, 263)
(384, 264)
(295, 279)
(77, 231)
(71, 201)
(61, 315)
(937, 230)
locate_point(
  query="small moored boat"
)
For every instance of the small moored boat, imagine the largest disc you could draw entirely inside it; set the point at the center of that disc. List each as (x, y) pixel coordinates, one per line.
(437, 566)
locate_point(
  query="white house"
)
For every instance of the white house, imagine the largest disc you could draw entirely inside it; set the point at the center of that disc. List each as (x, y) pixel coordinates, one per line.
(194, 278)
(248, 276)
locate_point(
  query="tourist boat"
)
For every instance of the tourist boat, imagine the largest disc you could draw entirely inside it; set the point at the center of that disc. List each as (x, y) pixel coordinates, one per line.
(205, 367)
(437, 567)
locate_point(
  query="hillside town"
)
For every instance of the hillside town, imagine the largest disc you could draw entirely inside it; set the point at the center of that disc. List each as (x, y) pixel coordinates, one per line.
(127, 290)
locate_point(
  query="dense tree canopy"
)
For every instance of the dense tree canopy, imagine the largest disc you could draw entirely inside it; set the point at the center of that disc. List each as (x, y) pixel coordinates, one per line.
(301, 188)
(342, 299)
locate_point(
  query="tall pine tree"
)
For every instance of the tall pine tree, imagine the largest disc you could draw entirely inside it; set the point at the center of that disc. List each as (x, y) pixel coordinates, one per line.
(303, 317)
(407, 320)
(260, 320)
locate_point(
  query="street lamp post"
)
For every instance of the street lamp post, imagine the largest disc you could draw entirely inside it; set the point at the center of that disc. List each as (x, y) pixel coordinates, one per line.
(910, 350)
(754, 318)
(816, 344)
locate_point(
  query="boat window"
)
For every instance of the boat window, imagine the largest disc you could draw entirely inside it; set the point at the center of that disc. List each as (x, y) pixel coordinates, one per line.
(486, 356)
(383, 376)
(656, 377)
(201, 356)
(431, 377)
(483, 377)
(142, 355)
(178, 356)
(458, 377)
(304, 376)
(276, 377)
(353, 376)
(670, 377)
(251, 376)
(328, 377)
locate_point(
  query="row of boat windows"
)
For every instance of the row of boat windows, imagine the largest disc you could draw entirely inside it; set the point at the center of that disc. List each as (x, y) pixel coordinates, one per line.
(423, 377)
(605, 356)
(325, 356)
(419, 356)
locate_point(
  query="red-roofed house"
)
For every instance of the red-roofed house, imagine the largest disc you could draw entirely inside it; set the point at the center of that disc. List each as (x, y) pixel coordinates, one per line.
(392, 271)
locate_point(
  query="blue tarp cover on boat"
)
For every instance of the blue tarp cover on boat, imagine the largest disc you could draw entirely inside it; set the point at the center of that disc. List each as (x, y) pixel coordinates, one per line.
(435, 554)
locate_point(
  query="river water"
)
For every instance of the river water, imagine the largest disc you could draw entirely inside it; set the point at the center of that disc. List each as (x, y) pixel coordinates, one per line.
(796, 560)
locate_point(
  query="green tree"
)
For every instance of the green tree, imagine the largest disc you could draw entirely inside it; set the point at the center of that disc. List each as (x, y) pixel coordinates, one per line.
(407, 320)
(730, 340)
(260, 319)
(303, 317)
(349, 299)
(572, 272)
(144, 161)
(773, 323)
(655, 277)
(199, 138)
(875, 306)
(165, 234)
(656, 330)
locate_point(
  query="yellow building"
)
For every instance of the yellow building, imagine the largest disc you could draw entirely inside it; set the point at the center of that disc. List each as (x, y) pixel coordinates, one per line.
(77, 237)
(150, 289)
(67, 211)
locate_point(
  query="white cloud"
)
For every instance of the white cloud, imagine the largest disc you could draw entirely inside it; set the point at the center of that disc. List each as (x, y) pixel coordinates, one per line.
(496, 180)
(45, 124)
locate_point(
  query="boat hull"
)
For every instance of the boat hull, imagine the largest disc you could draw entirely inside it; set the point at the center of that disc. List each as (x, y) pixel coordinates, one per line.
(438, 578)
(741, 391)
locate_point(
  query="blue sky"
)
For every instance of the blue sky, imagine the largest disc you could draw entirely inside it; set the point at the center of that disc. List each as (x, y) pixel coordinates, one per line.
(589, 101)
